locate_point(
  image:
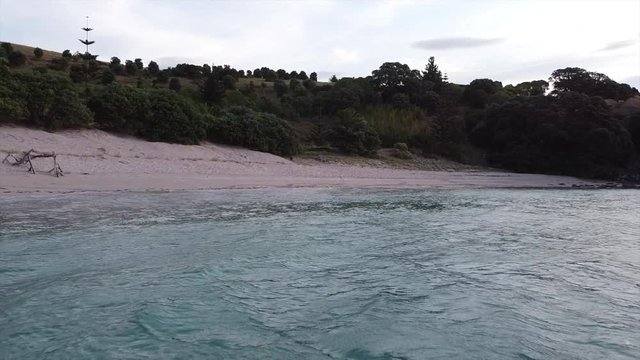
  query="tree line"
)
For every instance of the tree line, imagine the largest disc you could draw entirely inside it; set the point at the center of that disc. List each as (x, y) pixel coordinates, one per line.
(563, 125)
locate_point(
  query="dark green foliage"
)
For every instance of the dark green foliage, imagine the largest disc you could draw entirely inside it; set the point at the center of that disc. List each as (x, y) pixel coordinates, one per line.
(120, 108)
(38, 53)
(188, 71)
(269, 75)
(282, 74)
(37, 99)
(352, 134)
(229, 82)
(313, 76)
(130, 68)
(257, 131)
(280, 87)
(59, 64)
(572, 134)
(66, 54)
(153, 68)
(78, 73)
(107, 77)
(432, 74)
(162, 77)
(334, 79)
(174, 84)
(633, 126)
(16, 58)
(174, 119)
(590, 83)
(392, 78)
(212, 90)
(7, 47)
(138, 63)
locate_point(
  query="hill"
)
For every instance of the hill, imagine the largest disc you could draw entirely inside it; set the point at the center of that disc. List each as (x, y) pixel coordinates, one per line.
(571, 130)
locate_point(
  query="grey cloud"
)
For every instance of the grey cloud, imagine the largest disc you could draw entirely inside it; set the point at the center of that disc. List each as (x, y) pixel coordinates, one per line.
(455, 43)
(618, 45)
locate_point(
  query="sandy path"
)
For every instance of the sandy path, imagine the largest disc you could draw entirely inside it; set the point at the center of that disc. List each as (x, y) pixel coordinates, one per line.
(95, 161)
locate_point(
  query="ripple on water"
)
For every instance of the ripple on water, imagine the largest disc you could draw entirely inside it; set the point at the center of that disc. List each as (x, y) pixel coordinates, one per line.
(302, 273)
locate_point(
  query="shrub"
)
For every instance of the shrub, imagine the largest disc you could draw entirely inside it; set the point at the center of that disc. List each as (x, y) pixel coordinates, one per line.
(60, 64)
(174, 84)
(352, 134)
(8, 48)
(172, 118)
(38, 53)
(66, 54)
(107, 77)
(49, 101)
(401, 150)
(17, 58)
(258, 131)
(120, 108)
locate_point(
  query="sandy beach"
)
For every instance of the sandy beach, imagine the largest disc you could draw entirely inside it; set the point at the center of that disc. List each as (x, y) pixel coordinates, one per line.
(94, 160)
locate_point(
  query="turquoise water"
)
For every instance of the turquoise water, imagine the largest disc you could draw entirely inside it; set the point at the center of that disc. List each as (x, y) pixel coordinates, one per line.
(321, 274)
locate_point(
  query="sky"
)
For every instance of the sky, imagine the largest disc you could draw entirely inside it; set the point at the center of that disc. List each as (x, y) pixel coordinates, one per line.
(507, 40)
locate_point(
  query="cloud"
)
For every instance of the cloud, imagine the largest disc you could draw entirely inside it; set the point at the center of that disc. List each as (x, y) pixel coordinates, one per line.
(618, 45)
(344, 56)
(455, 43)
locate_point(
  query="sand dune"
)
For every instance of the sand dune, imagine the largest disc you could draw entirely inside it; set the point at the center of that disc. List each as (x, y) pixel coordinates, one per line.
(97, 161)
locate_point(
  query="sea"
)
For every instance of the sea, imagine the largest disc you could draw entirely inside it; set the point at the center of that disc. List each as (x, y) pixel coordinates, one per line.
(321, 274)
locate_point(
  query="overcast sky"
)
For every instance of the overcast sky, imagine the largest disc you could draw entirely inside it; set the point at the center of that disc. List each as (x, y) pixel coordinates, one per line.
(508, 40)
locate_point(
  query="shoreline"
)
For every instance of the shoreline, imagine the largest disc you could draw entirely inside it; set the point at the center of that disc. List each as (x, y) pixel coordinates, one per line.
(96, 161)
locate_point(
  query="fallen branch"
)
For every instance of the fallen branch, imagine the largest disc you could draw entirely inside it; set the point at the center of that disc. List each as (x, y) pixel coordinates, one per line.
(26, 158)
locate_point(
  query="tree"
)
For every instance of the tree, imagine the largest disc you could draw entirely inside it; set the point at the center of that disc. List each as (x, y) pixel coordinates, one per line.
(162, 77)
(38, 53)
(229, 82)
(334, 79)
(433, 74)
(395, 77)
(313, 76)
(66, 54)
(174, 84)
(17, 58)
(212, 90)
(280, 87)
(138, 63)
(531, 88)
(302, 76)
(353, 135)
(107, 77)
(8, 48)
(130, 68)
(153, 68)
(589, 83)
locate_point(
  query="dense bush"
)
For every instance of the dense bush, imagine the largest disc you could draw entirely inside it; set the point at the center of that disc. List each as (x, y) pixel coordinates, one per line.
(172, 118)
(120, 108)
(37, 99)
(258, 131)
(352, 134)
(571, 134)
(16, 58)
(38, 53)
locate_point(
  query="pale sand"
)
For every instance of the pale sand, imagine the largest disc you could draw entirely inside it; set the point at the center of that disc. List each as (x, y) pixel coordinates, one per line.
(93, 160)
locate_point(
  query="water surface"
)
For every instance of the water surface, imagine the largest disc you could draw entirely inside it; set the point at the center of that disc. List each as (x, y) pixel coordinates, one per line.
(321, 274)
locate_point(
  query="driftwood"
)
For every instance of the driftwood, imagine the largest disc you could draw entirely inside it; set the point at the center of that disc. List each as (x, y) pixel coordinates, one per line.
(26, 157)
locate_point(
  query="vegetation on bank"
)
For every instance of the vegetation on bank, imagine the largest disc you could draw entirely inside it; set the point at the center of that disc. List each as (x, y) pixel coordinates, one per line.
(576, 129)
